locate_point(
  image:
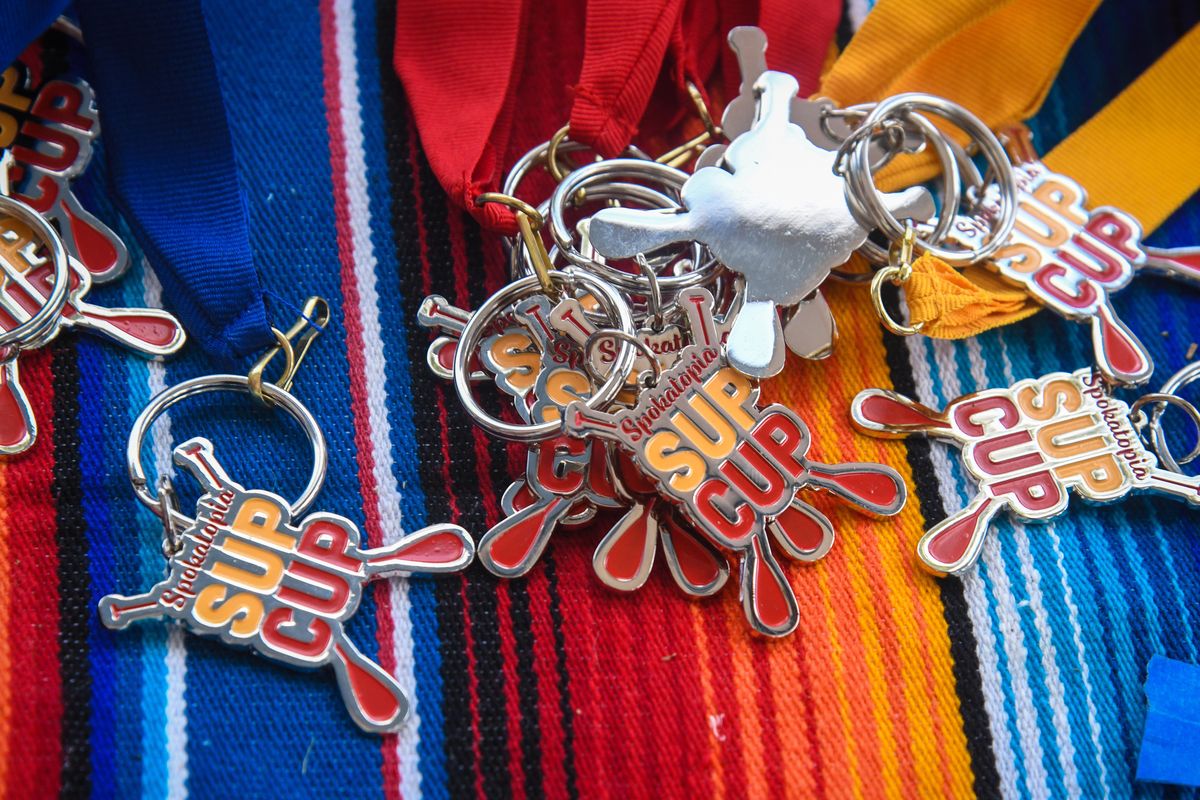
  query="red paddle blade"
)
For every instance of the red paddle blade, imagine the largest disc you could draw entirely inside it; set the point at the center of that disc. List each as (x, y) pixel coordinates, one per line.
(513, 545)
(874, 488)
(698, 569)
(626, 553)
(92, 242)
(1120, 357)
(17, 426)
(1180, 263)
(953, 545)
(437, 548)
(145, 330)
(373, 697)
(888, 415)
(767, 597)
(802, 531)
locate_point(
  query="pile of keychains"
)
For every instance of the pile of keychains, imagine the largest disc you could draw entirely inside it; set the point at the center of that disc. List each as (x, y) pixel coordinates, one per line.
(646, 303)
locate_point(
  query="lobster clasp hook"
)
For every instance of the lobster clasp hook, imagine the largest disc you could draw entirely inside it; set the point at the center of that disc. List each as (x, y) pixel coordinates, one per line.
(293, 344)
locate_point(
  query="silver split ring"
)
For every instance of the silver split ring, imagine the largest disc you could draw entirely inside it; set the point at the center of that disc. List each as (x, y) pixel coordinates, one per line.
(861, 186)
(610, 300)
(221, 383)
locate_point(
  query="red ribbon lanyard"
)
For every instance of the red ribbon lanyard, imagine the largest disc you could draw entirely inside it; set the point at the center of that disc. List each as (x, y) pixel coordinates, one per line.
(489, 79)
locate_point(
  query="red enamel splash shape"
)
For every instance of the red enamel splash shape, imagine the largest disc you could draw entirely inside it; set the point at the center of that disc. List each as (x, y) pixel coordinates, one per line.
(374, 698)
(696, 562)
(516, 536)
(1122, 352)
(624, 559)
(771, 594)
(803, 531)
(893, 413)
(95, 249)
(952, 542)
(867, 486)
(440, 548)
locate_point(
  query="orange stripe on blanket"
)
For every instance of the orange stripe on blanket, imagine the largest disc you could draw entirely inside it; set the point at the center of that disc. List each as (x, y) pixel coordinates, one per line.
(888, 646)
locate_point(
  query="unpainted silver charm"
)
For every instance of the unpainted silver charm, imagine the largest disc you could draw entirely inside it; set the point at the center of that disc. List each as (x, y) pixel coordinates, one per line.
(777, 214)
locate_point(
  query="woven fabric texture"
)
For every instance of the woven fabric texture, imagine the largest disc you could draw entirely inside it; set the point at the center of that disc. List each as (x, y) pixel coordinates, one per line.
(1023, 679)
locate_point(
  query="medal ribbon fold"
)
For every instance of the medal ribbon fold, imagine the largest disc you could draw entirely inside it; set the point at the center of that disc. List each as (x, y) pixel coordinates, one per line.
(1112, 155)
(473, 110)
(172, 165)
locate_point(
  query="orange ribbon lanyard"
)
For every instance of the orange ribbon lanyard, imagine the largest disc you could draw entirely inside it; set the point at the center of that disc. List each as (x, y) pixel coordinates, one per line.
(1116, 156)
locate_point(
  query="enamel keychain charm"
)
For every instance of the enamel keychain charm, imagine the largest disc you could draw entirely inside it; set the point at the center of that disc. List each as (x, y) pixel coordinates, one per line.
(699, 437)
(1031, 445)
(1071, 259)
(567, 479)
(42, 291)
(51, 125)
(248, 570)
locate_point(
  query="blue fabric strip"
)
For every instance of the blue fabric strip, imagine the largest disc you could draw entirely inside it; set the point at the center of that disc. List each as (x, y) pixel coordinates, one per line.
(1171, 742)
(172, 164)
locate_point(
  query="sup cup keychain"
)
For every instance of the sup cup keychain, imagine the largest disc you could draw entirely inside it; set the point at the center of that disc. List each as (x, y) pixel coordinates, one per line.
(699, 437)
(1071, 258)
(1031, 445)
(42, 291)
(251, 569)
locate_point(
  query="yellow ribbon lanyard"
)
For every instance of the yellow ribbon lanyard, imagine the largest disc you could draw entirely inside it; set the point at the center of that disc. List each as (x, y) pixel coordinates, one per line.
(1117, 156)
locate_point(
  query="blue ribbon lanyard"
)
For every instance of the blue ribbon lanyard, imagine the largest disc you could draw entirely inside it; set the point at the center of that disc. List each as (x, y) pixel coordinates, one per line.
(170, 156)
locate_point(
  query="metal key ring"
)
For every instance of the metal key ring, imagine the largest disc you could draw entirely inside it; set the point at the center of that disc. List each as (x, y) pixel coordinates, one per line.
(29, 333)
(859, 179)
(222, 383)
(1164, 396)
(597, 335)
(610, 300)
(951, 190)
(520, 263)
(657, 173)
(538, 156)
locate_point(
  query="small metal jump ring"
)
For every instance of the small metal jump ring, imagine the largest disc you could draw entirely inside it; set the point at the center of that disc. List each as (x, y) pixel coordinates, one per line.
(610, 300)
(557, 172)
(221, 383)
(654, 296)
(168, 509)
(621, 336)
(890, 273)
(898, 272)
(1167, 395)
